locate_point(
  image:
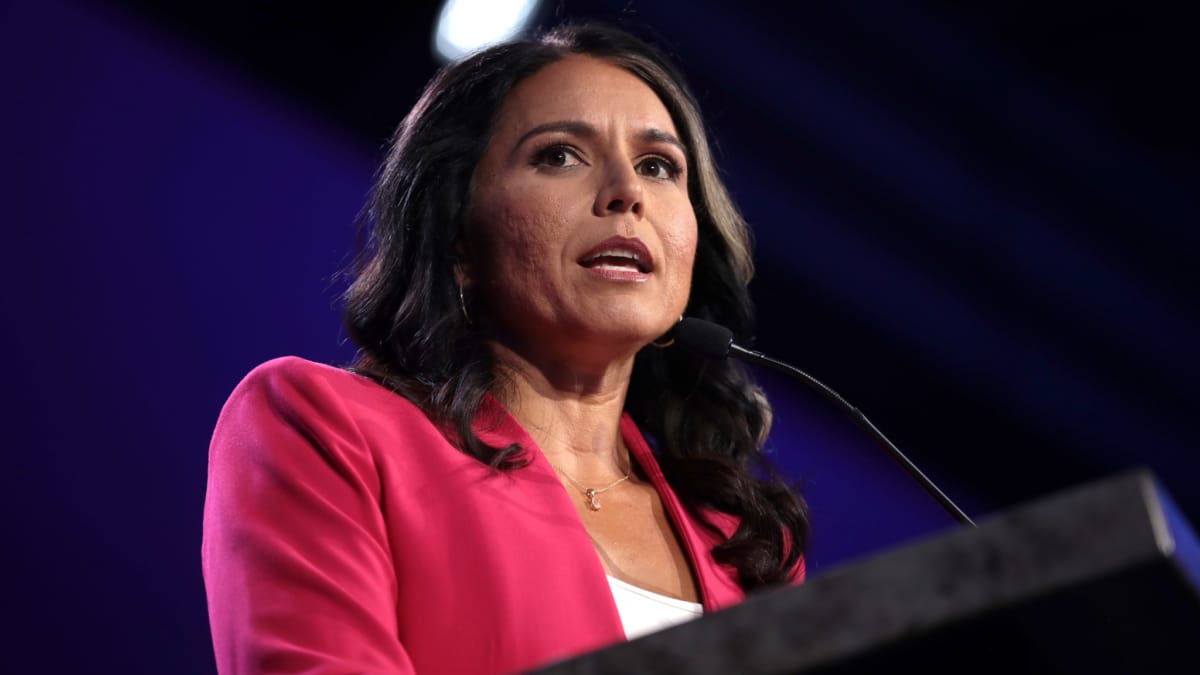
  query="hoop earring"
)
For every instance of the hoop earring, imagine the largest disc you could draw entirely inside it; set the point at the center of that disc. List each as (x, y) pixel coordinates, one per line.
(462, 304)
(670, 341)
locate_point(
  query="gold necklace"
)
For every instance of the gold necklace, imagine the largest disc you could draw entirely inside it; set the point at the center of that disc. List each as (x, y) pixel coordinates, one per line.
(593, 503)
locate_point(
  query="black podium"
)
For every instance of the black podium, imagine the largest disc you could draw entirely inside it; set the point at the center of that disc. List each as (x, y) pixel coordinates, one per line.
(1104, 578)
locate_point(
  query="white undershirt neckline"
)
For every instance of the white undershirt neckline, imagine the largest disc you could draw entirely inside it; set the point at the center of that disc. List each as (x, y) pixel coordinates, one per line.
(644, 611)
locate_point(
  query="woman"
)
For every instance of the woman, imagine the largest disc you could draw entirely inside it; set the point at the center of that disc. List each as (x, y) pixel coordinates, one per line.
(479, 493)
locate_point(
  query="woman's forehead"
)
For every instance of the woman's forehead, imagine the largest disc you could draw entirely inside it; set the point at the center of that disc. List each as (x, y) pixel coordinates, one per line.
(585, 89)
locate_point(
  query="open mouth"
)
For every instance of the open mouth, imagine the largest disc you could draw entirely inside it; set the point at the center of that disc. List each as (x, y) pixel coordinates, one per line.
(617, 260)
(618, 254)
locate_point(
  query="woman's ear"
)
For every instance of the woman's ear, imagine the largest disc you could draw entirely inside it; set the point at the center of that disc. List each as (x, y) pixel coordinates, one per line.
(462, 268)
(462, 279)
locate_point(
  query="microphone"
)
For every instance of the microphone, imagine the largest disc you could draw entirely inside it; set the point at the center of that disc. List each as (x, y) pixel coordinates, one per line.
(714, 341)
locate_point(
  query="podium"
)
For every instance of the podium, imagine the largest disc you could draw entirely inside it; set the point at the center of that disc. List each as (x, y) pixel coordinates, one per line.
(1102, 578)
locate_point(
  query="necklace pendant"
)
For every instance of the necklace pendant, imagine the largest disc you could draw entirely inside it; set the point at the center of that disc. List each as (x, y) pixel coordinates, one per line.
(593, 501)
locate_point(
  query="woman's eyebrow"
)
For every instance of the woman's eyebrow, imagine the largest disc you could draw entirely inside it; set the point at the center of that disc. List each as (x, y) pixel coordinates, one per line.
(586, 130)
(576, 127)
(653, 135)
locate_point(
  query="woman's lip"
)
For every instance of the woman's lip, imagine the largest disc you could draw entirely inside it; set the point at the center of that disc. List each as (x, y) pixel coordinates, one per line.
(617, 273)
(631, 245)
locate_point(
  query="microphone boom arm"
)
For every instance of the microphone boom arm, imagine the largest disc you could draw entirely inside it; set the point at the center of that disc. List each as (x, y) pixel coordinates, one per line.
(862, 421)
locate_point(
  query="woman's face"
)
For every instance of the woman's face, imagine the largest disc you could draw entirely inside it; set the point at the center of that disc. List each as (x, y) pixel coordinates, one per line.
(584, 236)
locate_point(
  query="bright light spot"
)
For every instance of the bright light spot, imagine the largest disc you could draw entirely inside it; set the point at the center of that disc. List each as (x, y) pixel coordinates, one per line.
(467, 25)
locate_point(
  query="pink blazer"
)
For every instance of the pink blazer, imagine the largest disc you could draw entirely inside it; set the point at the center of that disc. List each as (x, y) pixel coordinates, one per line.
(344, 534)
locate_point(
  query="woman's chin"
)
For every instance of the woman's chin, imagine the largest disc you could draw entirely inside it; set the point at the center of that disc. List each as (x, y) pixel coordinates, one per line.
(589, 335)
(629, 339)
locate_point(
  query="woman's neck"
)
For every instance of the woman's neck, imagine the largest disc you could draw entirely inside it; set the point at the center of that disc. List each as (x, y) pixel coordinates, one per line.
(573, 414)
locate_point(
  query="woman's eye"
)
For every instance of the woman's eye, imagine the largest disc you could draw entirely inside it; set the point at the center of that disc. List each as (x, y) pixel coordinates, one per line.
(557, 156)
(658, 167)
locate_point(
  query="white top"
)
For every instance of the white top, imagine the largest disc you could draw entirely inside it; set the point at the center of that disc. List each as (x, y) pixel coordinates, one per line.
(644, 611)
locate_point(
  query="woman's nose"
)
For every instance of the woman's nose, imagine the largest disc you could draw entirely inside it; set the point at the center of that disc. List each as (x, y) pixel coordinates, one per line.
(620, 193)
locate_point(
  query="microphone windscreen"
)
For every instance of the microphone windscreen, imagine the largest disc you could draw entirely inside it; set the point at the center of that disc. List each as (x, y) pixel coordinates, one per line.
(703, 337)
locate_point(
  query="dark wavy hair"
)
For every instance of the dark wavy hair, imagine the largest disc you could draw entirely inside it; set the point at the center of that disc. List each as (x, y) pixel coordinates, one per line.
(706, 420)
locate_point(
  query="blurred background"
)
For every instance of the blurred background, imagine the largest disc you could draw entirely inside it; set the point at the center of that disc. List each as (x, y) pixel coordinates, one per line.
(976, 221)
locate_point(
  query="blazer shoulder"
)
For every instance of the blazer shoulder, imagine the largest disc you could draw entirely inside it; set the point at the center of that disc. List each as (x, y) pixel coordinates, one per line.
(296, 378)
(297, 372)
(308, 393)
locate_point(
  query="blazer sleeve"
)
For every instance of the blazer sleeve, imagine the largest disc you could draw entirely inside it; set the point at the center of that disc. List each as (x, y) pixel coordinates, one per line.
(297, 564)
(799, 572)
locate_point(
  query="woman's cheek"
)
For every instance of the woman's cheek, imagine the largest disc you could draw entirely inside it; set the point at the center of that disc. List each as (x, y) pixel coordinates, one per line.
(681, 242)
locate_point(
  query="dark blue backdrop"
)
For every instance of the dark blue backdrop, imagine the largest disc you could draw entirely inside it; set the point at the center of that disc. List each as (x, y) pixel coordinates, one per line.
(978, 224)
